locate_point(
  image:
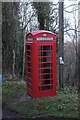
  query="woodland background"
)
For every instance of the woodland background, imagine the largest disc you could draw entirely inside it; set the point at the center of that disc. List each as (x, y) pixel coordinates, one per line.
(20, 18)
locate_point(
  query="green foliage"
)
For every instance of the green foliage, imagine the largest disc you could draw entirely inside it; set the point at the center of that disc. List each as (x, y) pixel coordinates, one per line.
(65, 103)
(43, 14)
(12, 89)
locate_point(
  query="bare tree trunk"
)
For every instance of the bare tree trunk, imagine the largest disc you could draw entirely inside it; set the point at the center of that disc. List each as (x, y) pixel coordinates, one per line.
(13, 70)
(24, 21)
(23, 60)
(0, 38)
(79, 67)
(76, 50)
(79, 48)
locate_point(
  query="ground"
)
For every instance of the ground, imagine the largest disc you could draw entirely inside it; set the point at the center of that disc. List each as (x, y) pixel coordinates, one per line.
(16, 103)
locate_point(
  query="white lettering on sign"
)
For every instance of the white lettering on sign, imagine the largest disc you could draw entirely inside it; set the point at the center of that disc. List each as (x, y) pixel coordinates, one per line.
(45, 38)
(29, 39)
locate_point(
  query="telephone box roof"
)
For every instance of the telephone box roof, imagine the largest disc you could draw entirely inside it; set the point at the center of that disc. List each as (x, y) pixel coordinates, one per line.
(40, 31)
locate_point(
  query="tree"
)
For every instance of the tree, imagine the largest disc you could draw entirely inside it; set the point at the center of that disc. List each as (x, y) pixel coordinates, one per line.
(25, 20)
(79, 48)
(0, 38)
(43, 14)
(71, 33)
(10, 36)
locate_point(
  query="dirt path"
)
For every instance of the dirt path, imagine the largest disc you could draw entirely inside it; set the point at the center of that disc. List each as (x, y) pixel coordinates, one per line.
(10, 114)
(6, 113)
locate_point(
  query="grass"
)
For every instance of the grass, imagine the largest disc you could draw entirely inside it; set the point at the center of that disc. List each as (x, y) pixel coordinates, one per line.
(64, 104)
(12, 89)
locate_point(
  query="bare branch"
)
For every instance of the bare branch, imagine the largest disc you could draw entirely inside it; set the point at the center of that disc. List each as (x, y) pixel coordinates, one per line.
(71, 29)
(70, 6)
(28, 22)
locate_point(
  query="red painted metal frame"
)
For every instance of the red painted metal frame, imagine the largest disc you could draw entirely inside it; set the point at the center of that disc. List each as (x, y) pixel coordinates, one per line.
(34, 91)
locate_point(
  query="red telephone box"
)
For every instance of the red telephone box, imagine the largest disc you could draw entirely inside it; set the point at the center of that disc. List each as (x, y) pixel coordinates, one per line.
(41, 63)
